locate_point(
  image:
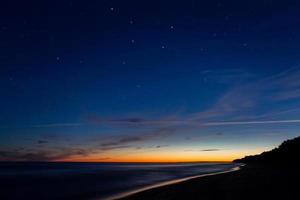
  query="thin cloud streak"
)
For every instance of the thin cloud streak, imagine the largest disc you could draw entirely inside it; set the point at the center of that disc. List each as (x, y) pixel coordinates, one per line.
(57, 125)
(207, 150)
(250, 122)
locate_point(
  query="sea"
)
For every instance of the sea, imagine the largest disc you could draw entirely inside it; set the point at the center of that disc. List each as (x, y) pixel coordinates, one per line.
(68, 180)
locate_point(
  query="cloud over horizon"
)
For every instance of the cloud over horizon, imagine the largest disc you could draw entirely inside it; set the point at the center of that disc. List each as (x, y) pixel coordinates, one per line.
(237, 106)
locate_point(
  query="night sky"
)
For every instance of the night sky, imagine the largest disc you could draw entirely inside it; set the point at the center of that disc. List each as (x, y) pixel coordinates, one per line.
(147, 80)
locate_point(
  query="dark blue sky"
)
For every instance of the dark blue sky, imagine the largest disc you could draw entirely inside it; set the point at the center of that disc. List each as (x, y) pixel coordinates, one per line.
(103, 79)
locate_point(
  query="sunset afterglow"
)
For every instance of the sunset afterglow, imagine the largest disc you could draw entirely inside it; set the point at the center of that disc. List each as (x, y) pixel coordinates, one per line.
(111, 81)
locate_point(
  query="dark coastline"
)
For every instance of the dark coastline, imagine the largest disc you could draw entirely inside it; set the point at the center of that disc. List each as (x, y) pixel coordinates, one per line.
(270, 175)
(251, 182)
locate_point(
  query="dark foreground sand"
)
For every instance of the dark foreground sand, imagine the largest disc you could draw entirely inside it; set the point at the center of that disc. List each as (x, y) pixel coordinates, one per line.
(251, 182)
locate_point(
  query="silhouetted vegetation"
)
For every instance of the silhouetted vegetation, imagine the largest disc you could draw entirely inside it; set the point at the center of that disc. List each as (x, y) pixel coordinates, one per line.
(287, 153)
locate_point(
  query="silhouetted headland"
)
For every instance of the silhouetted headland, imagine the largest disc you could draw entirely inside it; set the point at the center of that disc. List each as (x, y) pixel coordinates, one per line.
(270, 175)
(286, 154)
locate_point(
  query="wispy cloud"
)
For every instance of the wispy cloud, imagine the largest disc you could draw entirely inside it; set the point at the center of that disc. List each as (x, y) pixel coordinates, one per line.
(287, 94)
(228, 123)
(42, 142)
(256, 99)
(161, 146)
(131, 141)
(210, 150)
(203, 150)
(132, 121)
(113, 147)
(41, 155)
(57, 125)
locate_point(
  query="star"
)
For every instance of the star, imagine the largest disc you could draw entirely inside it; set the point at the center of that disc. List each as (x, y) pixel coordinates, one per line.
(172, 27)
(163, 47)
(58, 58)
(112, 9)
(132, 41)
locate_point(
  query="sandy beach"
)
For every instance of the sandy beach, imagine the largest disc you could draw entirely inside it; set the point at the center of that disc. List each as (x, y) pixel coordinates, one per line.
(171, 182)
(251, 182)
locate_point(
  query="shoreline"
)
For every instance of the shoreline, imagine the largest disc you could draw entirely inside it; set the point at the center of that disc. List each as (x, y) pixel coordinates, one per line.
(127, 194)
(255, 181)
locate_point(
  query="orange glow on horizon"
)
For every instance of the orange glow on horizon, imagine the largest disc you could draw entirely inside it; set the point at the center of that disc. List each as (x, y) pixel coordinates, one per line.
(226, 156)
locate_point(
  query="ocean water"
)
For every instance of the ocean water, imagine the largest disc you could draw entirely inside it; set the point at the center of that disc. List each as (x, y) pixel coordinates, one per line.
(44, 180)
